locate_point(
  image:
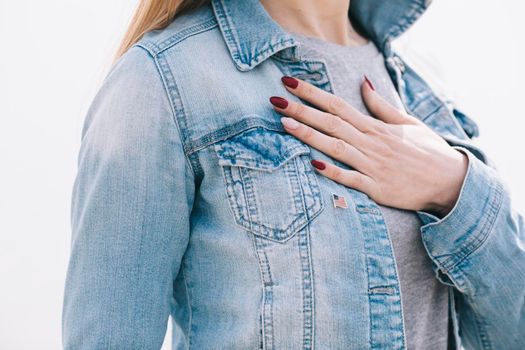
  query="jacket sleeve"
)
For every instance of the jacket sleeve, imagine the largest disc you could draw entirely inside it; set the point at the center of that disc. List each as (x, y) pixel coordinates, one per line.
(479, 249)
(131, 204)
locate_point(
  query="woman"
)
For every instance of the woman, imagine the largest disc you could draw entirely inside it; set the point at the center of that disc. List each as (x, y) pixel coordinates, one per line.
(350, 211)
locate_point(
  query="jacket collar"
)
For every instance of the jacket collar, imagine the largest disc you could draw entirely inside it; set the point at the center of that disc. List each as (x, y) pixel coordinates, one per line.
(252, 35)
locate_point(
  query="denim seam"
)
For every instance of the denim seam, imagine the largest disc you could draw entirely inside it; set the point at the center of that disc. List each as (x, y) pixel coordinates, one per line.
(245, 198)
(234, 205)
(476, 242)
(177, 109)
(318, 205)
(306, 264)
(368, 274)
(455, 272)
(449, 261)
(164, 82)
(232, 130)
(232, 41)
(261, 274)
(363, 218)
(170, 102)
(293, 173)
(312, 286)
(397, 286)
(227, 29)
(267, 288)
(256, 59)
(437, 267)
(157, 48)
(245, 185)
(290, 153)
(259, 228)
(190, 308)
(189, 32)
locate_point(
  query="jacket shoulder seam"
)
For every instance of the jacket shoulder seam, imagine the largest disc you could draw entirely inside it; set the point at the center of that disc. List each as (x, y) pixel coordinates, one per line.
(174, 110)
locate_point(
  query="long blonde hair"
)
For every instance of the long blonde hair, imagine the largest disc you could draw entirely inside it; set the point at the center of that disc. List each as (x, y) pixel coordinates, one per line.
(154, 14)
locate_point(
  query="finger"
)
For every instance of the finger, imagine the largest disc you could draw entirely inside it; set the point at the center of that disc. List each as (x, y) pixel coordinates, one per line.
(349, 178)
(328, 123)
(328, 102)
(379, 107)
(331, 146)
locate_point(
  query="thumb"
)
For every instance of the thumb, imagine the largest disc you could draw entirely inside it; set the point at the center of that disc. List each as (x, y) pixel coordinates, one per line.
(379, 107)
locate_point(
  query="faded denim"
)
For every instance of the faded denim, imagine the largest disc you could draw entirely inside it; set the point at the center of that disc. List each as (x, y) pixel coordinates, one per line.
(192, 201)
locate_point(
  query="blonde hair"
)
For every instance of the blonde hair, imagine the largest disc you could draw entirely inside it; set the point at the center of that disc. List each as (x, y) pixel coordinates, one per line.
(154, 14)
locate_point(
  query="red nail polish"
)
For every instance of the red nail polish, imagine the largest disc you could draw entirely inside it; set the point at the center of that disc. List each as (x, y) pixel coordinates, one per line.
(318, 164)
(290, 81)
(370, 83)
(278, 102)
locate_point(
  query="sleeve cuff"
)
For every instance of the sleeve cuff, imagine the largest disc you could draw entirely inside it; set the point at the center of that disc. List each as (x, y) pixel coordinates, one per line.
(450, 239)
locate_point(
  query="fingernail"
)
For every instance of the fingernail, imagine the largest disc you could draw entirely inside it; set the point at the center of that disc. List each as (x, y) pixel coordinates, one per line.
(290, 81)
(318, 164)
(289, 123)
(370, 83)
(278, 102)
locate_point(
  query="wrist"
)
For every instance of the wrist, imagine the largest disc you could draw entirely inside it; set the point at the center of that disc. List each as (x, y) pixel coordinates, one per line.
(444, 200)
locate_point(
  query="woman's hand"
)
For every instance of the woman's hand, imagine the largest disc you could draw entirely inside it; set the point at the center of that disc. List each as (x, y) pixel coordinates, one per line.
(398, 160)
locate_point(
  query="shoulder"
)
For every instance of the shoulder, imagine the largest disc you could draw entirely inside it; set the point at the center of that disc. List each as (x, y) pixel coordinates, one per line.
(130, 106)
(190, 50)
(159, 81)
(139, 64)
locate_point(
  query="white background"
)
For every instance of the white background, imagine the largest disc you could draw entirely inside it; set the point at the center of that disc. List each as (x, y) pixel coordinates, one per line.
(55, 53)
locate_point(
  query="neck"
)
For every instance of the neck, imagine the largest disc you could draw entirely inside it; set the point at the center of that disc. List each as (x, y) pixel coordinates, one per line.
(324, 19)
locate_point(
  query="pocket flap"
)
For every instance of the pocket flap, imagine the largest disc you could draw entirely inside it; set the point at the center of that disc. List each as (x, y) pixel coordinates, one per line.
(259, 148)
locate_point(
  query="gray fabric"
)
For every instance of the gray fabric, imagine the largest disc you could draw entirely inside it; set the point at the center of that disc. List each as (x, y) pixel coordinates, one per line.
(424, 299)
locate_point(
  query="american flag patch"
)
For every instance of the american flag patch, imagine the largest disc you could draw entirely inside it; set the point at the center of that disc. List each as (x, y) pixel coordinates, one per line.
(339, 201)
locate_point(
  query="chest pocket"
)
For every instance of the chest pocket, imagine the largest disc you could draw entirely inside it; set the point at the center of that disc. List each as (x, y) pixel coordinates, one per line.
(271, 187)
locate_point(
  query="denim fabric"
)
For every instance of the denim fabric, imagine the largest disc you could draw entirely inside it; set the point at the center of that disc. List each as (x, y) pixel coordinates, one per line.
(192, 201)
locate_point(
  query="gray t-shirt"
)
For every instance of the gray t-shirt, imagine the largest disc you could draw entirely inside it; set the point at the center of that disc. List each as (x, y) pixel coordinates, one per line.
(424, 298)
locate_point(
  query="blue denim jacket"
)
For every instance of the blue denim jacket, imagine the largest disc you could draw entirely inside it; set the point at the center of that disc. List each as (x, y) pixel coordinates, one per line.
(192, 201)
